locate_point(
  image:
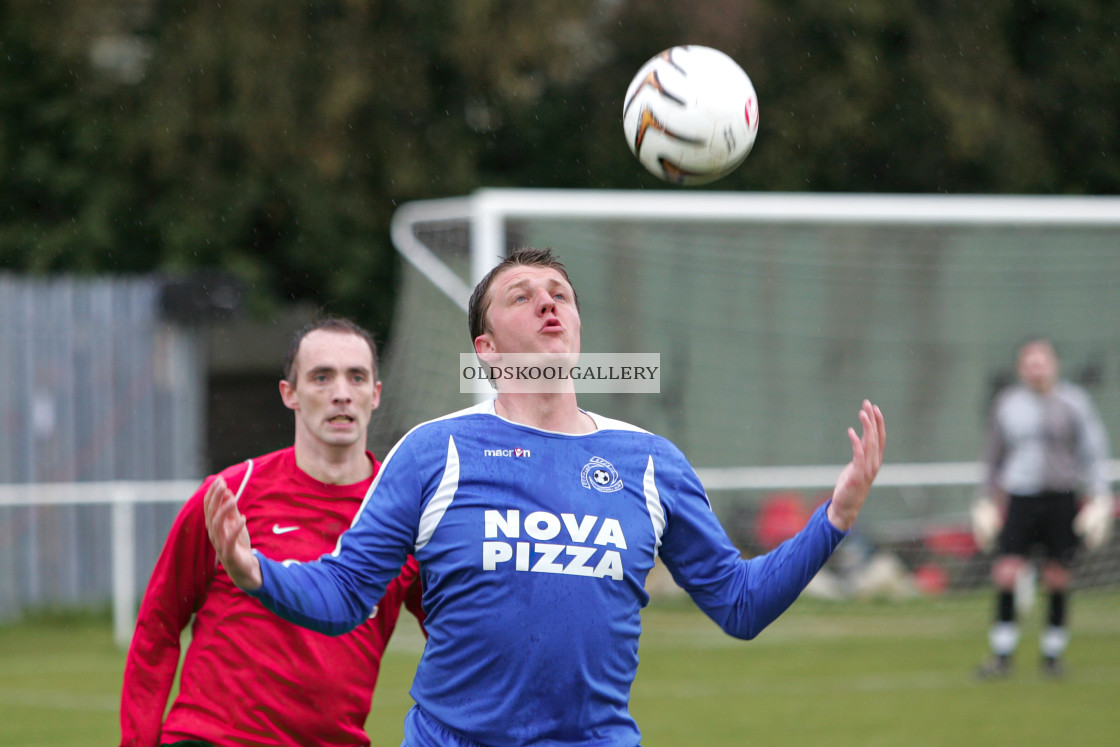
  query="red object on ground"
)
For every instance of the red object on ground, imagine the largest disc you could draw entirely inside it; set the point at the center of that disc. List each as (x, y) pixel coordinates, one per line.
(954, 542)
(782, 515)
(931, 579)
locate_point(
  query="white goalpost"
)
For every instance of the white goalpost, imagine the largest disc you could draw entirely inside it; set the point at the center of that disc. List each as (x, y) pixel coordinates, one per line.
(775, 313)
(488, 211)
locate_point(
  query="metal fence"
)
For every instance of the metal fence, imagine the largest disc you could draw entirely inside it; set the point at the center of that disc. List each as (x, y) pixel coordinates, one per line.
(96, 387)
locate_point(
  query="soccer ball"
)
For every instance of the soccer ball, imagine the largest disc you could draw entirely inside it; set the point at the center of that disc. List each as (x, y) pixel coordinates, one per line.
(690, 115)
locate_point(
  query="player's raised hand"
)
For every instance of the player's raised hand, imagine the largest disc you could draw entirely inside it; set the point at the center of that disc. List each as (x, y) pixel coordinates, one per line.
(226, 527)
(855, 479)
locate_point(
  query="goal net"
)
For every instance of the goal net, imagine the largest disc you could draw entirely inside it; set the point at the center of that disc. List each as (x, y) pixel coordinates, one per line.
(774, 316)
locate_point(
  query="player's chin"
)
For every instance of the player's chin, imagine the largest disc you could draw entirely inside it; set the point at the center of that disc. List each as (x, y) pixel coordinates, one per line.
(558, 344)
(341, 435)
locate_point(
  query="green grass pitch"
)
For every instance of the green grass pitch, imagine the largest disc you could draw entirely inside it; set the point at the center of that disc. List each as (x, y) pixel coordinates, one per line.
(852, 673)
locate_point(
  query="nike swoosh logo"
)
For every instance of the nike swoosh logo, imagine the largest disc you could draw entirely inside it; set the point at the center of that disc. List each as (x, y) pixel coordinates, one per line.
(277, 529)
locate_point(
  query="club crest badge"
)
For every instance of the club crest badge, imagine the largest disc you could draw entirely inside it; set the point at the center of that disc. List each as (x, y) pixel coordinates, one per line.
(600, 475)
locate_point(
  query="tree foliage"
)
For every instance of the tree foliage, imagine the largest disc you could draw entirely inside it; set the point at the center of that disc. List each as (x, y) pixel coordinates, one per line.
(275, 139)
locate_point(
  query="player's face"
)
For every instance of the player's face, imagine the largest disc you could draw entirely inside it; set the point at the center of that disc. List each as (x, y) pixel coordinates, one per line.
(532, 310)
(335, 391)
(1038, 366)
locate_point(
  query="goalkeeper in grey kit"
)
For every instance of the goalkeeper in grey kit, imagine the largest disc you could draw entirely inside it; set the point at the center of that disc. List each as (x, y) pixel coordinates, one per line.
(1046, 484)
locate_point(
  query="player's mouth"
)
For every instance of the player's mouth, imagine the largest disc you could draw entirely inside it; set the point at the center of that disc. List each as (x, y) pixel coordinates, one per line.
(340, 420)
(552, 325)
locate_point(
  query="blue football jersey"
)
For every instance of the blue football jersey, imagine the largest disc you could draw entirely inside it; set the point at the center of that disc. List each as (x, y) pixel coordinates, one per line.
(534, 548)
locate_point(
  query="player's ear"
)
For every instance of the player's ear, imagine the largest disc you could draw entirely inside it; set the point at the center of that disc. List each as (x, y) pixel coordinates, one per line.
(288, 394)
(484, 347)
(375, 400)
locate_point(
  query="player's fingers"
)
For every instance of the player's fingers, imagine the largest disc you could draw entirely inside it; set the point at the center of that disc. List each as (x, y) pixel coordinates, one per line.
(874, 446)
(870, 437)
(208, 497)
(225, 515)
(867, 421)
(217, 512)
(881, 433)
(881, 424)
(875, 434)
(214, 522)
(858, 452)
(213, 496)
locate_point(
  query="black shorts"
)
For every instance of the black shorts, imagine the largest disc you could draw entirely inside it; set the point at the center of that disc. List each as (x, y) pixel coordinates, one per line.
(1044, 520)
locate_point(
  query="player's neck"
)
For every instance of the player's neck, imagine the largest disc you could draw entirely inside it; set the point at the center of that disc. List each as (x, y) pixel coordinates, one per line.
(333, 465)
(549, 412)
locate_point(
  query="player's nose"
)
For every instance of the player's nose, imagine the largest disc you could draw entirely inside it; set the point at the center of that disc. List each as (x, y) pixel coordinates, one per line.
(545, 302)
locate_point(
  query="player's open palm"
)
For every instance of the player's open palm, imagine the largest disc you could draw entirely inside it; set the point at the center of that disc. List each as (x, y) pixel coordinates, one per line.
(855, 479)
(229, 536)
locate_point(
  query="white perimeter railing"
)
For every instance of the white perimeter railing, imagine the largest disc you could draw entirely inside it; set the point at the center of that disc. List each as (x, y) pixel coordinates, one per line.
(123, 497)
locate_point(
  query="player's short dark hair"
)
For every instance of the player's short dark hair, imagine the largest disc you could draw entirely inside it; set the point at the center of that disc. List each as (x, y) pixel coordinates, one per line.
(480, 299)
(330, 324)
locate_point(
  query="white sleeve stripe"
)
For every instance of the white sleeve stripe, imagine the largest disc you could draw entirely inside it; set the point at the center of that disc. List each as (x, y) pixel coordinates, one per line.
(384, 462)
(653, 505)
(369, 494)
(237, 497)
(372, 485)
(244, 480)
(444, 494)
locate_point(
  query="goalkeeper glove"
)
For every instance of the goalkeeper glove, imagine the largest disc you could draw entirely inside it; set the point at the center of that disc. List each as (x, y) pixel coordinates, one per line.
(986, 522)
(1093, 522)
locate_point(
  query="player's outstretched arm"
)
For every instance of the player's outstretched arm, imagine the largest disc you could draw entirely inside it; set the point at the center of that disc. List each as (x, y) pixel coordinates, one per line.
(230, 538)
(855, 479)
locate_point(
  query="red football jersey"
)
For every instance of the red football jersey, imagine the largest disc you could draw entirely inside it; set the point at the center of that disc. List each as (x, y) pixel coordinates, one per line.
(250, 677)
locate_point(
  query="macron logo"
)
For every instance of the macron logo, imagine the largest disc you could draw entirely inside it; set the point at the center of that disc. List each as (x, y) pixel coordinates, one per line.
(506, 453)
(277, 529)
